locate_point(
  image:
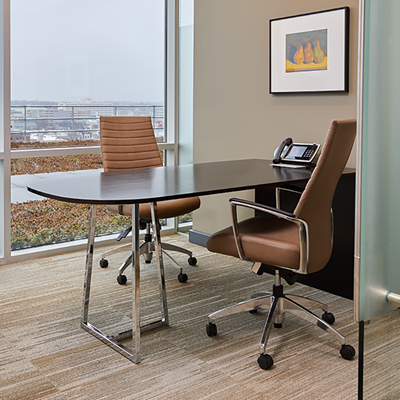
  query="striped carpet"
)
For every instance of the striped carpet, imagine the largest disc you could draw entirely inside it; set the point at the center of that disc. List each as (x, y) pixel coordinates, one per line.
(44, 354)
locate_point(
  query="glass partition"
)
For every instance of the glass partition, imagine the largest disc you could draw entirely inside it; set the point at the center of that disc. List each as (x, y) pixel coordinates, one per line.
(380, 223)
(379, 164)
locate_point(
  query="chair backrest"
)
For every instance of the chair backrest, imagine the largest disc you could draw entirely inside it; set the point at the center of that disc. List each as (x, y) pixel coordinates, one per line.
(316, 201)
(128, 143)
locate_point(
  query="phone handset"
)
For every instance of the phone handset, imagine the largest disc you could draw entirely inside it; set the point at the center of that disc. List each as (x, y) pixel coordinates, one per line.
(279, 151)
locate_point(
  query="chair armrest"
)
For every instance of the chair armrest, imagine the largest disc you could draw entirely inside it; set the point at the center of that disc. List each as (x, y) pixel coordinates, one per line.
(302, 226)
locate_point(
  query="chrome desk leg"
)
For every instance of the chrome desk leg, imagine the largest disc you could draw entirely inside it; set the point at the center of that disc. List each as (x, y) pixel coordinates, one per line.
(136, 280)
(96, 332)
(160, 263)
(133, 333)
(89, 263)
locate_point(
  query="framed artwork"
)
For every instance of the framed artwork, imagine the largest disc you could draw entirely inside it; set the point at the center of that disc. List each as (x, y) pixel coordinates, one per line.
(309, 53)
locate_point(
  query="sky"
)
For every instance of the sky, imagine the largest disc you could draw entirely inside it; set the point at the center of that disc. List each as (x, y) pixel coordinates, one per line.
(100, 49)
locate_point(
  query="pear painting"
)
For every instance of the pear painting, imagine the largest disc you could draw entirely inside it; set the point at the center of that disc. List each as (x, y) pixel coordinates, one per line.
(318, 53)
(308, 54)
(307, 51)
(299, 55)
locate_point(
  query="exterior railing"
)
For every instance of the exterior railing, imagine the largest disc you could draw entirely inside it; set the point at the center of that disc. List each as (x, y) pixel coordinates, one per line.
(66, 122)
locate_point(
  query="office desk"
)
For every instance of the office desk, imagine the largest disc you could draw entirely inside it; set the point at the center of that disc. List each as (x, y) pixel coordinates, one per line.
(152, 185)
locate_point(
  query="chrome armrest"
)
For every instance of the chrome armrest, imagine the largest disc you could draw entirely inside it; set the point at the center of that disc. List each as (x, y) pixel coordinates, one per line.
(302, 226)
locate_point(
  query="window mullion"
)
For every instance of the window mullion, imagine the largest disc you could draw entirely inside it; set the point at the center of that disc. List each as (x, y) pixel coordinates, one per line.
(5, 179)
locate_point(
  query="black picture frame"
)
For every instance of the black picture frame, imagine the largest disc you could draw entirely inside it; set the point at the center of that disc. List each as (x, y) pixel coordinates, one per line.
(309, 53)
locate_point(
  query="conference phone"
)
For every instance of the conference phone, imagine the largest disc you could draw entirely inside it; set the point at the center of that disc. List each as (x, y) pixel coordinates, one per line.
(296, 154)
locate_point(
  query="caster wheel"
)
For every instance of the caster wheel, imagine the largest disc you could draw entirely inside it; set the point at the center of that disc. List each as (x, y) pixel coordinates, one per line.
(279, 326)
(265, 361)
(103, 263)
(182, 277)
(211, 329)
(121, 279)
(192, 261)
(328, 317)
(347, 352)
(253, 311)
(147, 261)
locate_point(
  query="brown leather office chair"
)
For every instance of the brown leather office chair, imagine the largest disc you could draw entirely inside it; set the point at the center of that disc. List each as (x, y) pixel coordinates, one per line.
(299, 242)
(129, 143)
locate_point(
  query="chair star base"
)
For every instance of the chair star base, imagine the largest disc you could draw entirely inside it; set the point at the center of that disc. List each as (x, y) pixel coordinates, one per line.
(278, 303)
(147, 248)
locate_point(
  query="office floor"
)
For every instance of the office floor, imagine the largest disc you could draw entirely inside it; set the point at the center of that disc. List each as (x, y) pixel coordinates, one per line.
(44, 354)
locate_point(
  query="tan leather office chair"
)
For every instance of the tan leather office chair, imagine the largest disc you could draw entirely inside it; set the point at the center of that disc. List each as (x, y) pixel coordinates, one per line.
(300, 242)
(129, 143)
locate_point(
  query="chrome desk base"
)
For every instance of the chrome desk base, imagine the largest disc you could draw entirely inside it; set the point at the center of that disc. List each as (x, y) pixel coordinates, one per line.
(113, 340)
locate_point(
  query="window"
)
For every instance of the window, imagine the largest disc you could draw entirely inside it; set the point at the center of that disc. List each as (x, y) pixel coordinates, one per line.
(70, 63)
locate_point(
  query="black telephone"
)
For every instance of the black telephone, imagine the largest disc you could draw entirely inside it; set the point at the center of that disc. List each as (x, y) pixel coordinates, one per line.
(296, 153)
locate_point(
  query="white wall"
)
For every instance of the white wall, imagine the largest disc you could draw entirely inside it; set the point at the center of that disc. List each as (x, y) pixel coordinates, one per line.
(235, 117)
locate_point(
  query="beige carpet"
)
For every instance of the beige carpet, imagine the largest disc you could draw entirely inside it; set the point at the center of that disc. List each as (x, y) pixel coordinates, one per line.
(44, 354)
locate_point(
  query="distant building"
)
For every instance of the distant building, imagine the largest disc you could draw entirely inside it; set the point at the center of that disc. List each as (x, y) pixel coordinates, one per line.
(42, 112)
(18, 137)
(94, 109)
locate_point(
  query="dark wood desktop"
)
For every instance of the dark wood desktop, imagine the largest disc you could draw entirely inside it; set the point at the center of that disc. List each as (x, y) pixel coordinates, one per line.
(163, 183)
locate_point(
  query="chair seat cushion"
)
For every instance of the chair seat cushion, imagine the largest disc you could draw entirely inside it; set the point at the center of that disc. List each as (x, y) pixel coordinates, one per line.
(166, 208)
(272, 241)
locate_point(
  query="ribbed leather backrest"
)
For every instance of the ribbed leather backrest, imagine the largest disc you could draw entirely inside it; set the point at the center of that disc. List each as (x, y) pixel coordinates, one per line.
(128, 143)
(316, 201)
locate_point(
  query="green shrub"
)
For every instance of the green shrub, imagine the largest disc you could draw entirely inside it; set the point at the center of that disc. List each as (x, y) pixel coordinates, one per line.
(40, 222)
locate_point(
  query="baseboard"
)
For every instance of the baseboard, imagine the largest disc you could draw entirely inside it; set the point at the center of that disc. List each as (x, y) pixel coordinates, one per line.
(199, 238)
